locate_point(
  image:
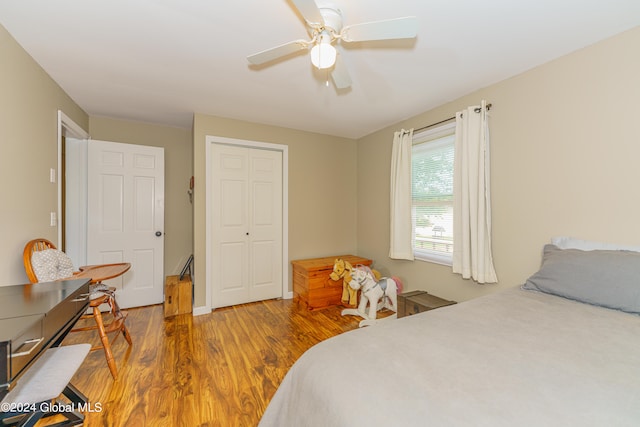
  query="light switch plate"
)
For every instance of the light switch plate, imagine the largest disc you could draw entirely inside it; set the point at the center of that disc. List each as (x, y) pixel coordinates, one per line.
(54, 219)
(52, 175)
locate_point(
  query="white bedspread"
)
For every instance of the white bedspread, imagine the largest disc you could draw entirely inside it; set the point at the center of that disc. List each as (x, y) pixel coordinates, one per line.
(513, 358)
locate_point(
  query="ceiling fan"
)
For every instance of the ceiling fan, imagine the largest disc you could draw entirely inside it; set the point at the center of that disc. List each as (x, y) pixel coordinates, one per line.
(324, 22)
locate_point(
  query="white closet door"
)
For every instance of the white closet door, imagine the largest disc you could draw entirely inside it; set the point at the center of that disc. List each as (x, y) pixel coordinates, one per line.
(246, 208)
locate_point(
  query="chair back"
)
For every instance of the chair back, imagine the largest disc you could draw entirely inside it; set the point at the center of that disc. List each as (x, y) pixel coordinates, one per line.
(32, 246)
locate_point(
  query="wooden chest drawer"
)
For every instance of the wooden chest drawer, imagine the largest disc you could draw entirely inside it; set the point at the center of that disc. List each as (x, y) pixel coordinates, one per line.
(312, 285)
(418, 301)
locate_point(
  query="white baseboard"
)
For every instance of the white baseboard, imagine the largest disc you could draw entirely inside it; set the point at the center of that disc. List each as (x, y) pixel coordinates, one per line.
(199, 311)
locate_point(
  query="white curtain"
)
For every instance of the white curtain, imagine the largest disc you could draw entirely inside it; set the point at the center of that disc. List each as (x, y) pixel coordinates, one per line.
(401, 229)
(471, 197)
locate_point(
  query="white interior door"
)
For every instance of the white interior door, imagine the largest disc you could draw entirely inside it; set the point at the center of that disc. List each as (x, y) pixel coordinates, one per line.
(246, 210)
(126, 217)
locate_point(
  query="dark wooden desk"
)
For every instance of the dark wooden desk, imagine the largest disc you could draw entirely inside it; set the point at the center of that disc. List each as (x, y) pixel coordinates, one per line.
(33, 318)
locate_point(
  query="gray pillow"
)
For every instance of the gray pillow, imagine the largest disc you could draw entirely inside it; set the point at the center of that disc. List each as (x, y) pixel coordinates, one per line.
(605, 278)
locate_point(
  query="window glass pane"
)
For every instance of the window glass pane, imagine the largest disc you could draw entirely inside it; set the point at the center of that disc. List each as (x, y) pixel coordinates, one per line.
(432, 198)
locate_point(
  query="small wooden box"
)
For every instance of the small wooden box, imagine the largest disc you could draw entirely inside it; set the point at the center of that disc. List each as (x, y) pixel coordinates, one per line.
(418, 301)
(177, 295)
(312, 285)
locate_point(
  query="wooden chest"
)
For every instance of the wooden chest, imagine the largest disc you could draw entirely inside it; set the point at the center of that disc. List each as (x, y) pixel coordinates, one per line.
(418, 301)
(312, 285)
(177, 295)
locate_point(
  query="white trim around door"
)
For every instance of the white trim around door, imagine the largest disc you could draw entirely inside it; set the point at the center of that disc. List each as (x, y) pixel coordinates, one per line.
(69, 129)
(209, 141)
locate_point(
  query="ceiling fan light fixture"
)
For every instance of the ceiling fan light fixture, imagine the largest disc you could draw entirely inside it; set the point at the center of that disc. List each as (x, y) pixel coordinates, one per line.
(325, 27)
(323, 54)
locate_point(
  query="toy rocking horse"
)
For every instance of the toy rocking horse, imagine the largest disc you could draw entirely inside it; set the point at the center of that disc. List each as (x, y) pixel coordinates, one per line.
(379, 294)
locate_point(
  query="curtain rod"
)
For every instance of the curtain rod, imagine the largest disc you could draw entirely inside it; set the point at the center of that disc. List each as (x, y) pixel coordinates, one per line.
(477, 110)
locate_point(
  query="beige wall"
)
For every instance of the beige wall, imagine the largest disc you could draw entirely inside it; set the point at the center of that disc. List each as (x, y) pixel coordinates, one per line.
(178, 166)
(29, 104)
(565, 150)
(322, 189)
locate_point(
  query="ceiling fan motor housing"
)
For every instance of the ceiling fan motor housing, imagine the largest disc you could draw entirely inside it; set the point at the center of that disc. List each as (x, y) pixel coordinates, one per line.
(332, 19)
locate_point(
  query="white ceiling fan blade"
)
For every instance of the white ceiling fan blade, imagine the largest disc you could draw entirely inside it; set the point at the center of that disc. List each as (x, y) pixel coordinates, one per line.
(277, 52)
(340, 75)
(309, 11)
(399, 28)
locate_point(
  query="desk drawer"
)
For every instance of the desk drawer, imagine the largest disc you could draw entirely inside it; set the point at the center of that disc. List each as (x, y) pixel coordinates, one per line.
(65, 311)
(26, 344)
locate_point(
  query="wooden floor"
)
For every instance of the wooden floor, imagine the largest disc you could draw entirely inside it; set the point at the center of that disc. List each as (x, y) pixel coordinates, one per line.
(219, 369)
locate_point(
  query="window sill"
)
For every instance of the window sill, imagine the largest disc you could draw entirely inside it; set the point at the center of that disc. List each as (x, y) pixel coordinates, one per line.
(436, 258)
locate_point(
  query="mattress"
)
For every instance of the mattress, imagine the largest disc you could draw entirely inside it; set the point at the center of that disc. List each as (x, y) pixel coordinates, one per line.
(512, 358)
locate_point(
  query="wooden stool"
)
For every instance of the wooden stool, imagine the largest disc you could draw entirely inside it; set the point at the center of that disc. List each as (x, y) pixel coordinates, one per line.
(46, 380)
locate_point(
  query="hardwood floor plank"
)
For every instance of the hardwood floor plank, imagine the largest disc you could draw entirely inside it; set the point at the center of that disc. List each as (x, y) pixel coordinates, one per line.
(219, 369)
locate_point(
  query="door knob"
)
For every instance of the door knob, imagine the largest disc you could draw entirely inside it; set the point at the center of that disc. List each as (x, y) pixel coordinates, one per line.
(158, 233)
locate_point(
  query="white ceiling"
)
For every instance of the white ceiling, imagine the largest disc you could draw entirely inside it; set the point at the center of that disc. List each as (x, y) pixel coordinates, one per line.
(160, 61)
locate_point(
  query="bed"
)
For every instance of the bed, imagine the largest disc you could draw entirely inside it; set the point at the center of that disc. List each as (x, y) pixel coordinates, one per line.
(563, 349)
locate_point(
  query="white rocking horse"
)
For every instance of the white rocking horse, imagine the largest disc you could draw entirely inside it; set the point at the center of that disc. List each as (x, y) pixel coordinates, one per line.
(379, 294)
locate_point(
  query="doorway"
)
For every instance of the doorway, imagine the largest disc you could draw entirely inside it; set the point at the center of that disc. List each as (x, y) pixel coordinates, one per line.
(144, 283)
(71, 174)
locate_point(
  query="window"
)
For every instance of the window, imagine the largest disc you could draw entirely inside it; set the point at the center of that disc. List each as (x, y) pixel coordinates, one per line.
(432, 157)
